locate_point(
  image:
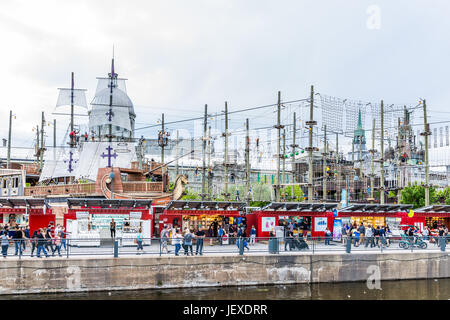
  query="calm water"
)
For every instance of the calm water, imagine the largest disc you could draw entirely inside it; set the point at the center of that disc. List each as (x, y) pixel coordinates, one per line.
(438, 289)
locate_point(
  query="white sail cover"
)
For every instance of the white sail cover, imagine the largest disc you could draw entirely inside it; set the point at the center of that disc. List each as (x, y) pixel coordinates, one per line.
(104, 83)
(65, 97)
(121, 108)
(59, 162)
(94, 155)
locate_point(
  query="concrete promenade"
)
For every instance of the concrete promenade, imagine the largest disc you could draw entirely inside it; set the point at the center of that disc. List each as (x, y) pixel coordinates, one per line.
(94, 272)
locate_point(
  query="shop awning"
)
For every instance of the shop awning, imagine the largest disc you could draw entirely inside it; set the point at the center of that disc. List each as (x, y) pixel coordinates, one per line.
(434, 209)
(374, 208)
(22, 202)
(204, 205)
(109, 203)
(298, 206)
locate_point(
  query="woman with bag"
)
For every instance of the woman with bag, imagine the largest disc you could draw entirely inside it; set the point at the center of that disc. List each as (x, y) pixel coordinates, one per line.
(57, 242)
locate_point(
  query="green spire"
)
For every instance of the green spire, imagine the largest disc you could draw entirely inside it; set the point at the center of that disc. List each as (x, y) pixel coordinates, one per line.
(359, 133)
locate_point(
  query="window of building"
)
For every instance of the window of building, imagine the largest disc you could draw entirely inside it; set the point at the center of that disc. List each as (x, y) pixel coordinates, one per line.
(441, 136)
(446, 136)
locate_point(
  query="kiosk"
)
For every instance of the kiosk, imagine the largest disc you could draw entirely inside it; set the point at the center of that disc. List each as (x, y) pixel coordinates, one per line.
(311, 218)
(392, 215)
(432, 216)
(205, 215)
(32, 212)
(88, 221)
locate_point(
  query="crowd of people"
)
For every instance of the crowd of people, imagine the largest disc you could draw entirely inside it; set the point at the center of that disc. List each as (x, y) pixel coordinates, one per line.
(43, 240)
(187, 238)
(379, 236)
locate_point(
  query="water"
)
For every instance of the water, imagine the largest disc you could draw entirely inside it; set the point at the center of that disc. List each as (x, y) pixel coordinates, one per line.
(435, 289)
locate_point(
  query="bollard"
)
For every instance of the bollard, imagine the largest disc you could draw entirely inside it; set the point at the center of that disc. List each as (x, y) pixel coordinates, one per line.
(241, 246)
(116, 248)
(443, 243)
(348, 247)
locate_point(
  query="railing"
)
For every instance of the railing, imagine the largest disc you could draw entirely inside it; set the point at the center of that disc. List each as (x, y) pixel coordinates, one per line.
(142, 186)
(82, 188)
(72, 247)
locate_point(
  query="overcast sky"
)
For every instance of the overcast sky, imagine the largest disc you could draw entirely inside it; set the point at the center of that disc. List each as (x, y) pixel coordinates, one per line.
(179, 55)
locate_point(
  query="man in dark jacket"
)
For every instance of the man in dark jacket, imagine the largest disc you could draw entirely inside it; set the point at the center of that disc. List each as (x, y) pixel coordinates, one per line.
(41, 243)
(18, 238)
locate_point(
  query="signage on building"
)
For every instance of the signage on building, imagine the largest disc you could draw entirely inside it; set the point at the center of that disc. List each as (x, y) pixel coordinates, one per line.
(320, 224)
(82, 214)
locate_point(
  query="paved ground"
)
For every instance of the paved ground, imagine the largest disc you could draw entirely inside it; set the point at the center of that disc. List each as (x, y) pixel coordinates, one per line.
(218, 250)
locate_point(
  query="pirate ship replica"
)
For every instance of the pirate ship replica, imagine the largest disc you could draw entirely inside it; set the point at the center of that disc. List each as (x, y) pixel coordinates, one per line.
(106, 160)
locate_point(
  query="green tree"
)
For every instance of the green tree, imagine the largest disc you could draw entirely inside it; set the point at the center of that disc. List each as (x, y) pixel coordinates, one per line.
(298, 193)
(190, 195)
(444, 196)
(415, 194)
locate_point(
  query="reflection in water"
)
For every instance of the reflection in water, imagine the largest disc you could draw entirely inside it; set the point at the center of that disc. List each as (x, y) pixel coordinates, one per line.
(437, 289)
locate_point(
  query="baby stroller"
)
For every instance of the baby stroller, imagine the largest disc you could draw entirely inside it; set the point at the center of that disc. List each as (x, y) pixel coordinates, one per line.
(300, 244)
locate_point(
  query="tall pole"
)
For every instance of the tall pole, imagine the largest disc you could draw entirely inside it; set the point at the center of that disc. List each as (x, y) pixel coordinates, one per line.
(72, 144)
(54, 133)
(399, 171)
(247, 160)
(162, 145)
(225, 163)
(284, 157)
(205, 124)
(426, 133)
(372, 168)
(293, 145)
(8, 161)
(37, 145)
(338, 176)
(209, 163)
(177, 171)
(311, 124)
(324, 159)
(42, 141)
(278, 155)
(382, 155)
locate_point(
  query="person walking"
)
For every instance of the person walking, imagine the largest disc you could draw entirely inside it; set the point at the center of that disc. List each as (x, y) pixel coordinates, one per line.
(355, 234)
(34, 241)
(362, 233)
(41, 242)
(369, 237)
(112, 228)
(199, 236)
(327, 237)
(139, 240)
(176, 240)
(49, 239)
(57, 244)
(187, 242)
(164, 237)
(376, 234)
(5, 244)
(289, 241)
(26, 237)
(252, 236)
(382, 234)
(62, 235)
(220, 234)
(17, 238)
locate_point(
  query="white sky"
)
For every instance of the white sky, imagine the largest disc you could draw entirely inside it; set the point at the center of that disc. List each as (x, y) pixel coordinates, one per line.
(179, 55)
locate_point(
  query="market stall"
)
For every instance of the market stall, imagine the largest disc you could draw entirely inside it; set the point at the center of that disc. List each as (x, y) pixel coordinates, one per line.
(88, 220)
(32, 212)
(377, 215)
(432, 216)
(311, 219)
(205, 215)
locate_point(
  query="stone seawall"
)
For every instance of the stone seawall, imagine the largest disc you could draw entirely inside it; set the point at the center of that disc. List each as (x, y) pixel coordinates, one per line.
(130, 273)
